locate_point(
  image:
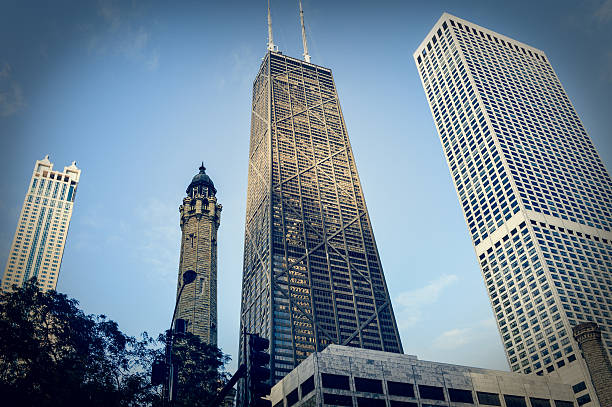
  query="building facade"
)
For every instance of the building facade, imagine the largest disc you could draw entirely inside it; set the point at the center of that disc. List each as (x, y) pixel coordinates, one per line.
(343, 376)
(40, 238)
(200, 216)
(534, 192)
(312, 274)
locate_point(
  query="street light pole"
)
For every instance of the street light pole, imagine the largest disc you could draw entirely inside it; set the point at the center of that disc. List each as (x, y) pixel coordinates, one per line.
(169, 391)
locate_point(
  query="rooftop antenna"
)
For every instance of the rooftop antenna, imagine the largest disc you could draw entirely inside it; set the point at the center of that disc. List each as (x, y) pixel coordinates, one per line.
(306, 55)
(270, 37)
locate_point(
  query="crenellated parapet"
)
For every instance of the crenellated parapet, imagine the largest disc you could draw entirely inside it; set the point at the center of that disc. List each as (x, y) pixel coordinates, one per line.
(200, 206)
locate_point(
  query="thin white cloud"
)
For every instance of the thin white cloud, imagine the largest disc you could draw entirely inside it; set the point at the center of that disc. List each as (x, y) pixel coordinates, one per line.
(117, 31)
(459, 337)
(110, 13)
(95, 222)
(240, 62)
(6, 71)
(11, 94)
(409, 304)
(607, 67)
(153, 60)
(135, 42)
(150, 231)
(453, 339)
(604, 12)
(135, 46)
(593, 20)
(159, 236)
(602, 16)
(488, 324)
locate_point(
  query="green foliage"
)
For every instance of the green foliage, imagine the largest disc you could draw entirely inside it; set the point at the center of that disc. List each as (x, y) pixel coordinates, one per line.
(52, 354)
(200, 370)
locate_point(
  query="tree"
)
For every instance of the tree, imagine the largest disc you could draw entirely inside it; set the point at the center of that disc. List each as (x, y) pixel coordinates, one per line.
(53, 354)
(200, 370)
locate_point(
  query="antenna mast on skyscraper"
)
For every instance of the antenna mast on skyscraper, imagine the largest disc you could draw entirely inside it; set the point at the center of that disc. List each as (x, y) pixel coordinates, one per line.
(306, 55)
(270, 38)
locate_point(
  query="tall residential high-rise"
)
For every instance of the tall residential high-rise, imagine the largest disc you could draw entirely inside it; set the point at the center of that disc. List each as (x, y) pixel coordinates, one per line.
(40, 238)
(312, 275)
(534, 192)
(200, 219)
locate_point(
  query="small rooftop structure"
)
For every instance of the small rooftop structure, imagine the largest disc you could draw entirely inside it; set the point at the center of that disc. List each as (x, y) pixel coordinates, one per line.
(201, 179)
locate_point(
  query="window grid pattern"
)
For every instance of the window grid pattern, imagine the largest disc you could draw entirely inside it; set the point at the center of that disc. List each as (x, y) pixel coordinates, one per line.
(580, 266)
(533, 331)
(551, 158)
(312, 275)
(40, 237)
(508, 129)
(482, 183)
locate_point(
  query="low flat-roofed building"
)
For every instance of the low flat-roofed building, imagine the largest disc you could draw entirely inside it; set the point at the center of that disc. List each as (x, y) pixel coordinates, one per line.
(347, 376)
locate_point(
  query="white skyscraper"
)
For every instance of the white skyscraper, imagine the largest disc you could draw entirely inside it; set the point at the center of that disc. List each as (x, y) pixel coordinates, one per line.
(534, 192)
(40, 237)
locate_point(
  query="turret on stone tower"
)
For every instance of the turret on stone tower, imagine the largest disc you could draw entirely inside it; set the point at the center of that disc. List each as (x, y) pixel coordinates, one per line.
(199, 220)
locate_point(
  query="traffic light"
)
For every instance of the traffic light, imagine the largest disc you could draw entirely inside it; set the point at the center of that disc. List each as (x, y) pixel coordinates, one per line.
(180, 326)
(158, 372)
(258, 375)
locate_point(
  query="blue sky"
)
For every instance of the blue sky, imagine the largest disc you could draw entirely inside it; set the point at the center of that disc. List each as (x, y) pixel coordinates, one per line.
(139, 92)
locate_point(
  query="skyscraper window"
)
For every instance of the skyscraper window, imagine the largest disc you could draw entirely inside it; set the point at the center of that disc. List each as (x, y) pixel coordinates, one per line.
(34, 237)
(312, 275)
(535, 193)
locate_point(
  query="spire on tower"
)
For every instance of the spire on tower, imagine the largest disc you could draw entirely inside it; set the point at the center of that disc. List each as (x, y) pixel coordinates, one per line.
(270, 37)
(306, 55)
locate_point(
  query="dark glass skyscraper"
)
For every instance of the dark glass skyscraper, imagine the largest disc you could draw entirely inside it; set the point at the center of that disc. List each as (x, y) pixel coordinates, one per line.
(312, 275)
